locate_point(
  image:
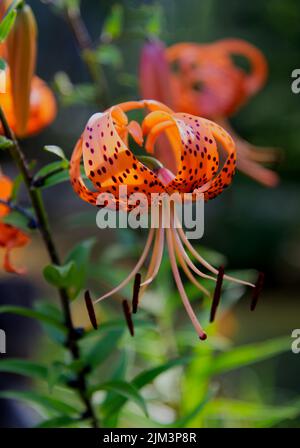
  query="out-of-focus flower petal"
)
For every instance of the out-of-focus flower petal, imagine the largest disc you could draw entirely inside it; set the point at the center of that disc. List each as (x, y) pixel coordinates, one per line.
(154, 73)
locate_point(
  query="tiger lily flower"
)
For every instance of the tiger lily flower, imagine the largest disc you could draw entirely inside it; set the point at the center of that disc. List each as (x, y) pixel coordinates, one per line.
(10, 237)
(109, 163)
(205, 81)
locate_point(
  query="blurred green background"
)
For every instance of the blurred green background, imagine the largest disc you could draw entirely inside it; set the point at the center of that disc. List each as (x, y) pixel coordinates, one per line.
(253, 226)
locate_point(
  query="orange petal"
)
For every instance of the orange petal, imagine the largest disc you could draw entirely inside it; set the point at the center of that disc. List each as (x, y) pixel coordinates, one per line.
(136, 132)
(6, 187)
(11, 238)
(224, 177)
(199, 156)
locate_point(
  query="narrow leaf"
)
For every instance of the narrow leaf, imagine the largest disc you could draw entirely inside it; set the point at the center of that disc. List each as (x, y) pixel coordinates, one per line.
(56, 150)
(24, 367)
(27, 312)
(126, 390)
(249, 354)
(60, 276)
(43, 402)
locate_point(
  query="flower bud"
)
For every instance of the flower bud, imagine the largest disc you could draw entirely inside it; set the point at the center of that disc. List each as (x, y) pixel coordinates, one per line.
(154, 73)
(21, 53)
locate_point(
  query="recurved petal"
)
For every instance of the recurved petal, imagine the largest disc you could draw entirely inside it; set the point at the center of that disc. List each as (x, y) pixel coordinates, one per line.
(108, 161)
(11, 238)
(199, 158)
(225, 175)
(6, 187)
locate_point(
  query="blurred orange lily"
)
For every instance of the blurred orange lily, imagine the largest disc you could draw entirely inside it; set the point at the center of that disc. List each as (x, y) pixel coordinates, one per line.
(28, 103)
(10, 237)
(42, 107)
(204, 80)
(109, 164)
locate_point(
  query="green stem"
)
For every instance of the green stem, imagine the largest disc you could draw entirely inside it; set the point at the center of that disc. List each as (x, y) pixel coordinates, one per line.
(44, 228)
(85, 44)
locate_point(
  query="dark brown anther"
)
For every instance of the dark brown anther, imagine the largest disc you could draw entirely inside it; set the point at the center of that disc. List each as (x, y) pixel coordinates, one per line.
(90, 309)
(217, 294)
(257, 290)
(203, 337)
(128, 317)
(136, 290)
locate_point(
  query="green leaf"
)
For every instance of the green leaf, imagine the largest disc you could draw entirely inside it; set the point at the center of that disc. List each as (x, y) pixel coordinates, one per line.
(112, 27)
(248, 354)
(126, 390)
(56, 179)
(24, 367)
(27, 312)
(17, 219)
(186, 419)
(7, 23)
(80, 255)
(54, 313)
(2, 66)
(58, 422)
(5, 143)
(148, 376)
(112, 407)
(51, 167)
(154, 24)
(56, 150)
(108, 54)
(226, 412)
(51, 174)
(60, 276)
(41, 401)
(16, 188)
(103, 347)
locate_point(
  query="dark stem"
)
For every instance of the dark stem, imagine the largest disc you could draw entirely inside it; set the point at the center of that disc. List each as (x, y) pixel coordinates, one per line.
(85, 44)
(44, 228)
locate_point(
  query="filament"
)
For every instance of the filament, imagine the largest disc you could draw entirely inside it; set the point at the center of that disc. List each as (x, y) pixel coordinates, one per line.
(206, 264)
(135, 269)
(188, 260)
(188, 272)
(156, 258)
(178, 281)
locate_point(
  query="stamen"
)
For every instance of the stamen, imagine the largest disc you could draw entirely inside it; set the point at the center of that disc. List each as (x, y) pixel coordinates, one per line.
(134, 271)
(181, 290)
(136, 290)
(188, 273)
(204, 262)
(90, 309)
(257, 290)
(217, 294)
(188, 260)
(156, 258)
(128, 317)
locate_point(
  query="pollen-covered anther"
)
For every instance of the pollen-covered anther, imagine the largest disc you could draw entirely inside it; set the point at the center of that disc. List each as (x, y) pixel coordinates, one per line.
(136, 290)
(257, 290)
(90, 309)
(217, 294)
(128, 317)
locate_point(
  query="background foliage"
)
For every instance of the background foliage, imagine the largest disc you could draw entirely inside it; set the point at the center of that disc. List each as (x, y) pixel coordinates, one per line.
(245, 374)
